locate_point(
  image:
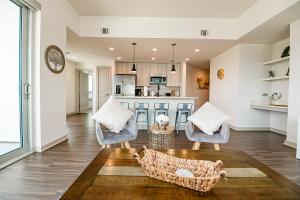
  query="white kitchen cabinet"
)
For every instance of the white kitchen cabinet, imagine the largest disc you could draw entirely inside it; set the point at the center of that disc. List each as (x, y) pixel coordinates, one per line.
(173, 79)
(143, 74)
(158, 69)
(121, 68)
(162, 69)
(154, 69)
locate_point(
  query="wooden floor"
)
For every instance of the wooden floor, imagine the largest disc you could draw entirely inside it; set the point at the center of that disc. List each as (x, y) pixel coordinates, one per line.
(47, 175)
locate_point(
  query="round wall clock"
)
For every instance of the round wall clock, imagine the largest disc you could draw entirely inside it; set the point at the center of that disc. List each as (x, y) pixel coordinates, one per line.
(55, 59)
(220, 73)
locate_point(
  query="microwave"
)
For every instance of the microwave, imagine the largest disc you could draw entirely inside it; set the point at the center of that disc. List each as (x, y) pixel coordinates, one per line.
(158, 80)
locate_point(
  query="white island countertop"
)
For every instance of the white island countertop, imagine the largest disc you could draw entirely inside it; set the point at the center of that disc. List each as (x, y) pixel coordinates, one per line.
(154, 97)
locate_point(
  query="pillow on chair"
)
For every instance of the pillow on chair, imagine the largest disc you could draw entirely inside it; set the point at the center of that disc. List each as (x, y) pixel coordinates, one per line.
(113, 115)
(208, 118)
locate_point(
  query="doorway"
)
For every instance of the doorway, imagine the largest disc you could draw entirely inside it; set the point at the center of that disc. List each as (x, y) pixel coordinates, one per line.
(85, 92)
(14, 84)
(104, 85)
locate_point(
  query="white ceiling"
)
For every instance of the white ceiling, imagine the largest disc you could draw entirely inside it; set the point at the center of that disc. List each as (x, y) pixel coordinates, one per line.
(163, 8)
(92, 49)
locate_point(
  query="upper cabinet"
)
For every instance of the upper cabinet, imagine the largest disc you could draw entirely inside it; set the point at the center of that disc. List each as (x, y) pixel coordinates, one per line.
(154, 68)
(145, 70)
(143, 74)
(121, 68)
(158, 69)
(162, 69)
(173, 79)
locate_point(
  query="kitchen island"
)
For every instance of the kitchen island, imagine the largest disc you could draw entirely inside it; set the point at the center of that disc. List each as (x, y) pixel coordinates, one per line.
(172, 100)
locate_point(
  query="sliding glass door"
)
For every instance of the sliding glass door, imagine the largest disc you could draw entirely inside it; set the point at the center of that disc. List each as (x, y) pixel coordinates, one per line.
(13, 80)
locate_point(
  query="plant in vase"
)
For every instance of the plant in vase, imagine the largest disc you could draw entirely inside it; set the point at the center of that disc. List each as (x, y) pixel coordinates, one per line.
(274, 97)
(162, 120)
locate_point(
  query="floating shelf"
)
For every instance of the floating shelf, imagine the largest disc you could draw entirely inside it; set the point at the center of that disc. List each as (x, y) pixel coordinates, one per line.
(276, 78)
(277, 61)
(274, 108)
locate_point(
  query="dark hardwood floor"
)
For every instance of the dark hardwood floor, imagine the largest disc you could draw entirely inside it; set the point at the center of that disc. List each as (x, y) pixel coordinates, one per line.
(47, 175)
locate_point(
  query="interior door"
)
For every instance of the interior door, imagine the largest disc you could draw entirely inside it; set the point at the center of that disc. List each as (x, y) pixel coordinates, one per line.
(104, 85)
(14, 85)
(83, 92)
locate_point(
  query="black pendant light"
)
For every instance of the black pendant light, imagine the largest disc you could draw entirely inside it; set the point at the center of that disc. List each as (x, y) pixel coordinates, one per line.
(173, 70)
(133, 70)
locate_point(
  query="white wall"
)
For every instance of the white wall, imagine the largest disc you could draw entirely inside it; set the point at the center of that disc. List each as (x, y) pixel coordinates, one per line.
(192, 73)
(70, 74)
(241, 83)
(56, 16)
(157, 27)
(294, 85)
(180, 27)
(223, 93)
(250, 86)
(260, 12)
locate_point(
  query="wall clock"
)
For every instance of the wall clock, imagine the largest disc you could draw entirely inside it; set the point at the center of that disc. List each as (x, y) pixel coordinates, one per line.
(55, 59)
(220, 73)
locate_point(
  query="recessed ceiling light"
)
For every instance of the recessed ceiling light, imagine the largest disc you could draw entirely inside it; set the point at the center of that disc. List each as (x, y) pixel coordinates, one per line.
(111, 48)
(119, 58)
(154, 49)
(187, 59)
(153, 58)
(197, 50)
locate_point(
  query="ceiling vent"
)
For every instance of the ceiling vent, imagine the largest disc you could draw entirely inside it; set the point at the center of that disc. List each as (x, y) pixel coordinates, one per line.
(204, 32)
(104, 31)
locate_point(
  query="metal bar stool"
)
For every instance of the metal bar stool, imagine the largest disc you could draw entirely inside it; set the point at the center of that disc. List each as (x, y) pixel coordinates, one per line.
(142, 108)
(183, 109)
(161, 108)
(126, 104)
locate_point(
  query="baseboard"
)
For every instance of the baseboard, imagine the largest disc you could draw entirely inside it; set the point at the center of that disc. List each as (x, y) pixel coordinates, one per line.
(281, 132)
(249, 128)
(71, 113)
(290, 144)
(15, 159)
(257, 129)
(51, 144)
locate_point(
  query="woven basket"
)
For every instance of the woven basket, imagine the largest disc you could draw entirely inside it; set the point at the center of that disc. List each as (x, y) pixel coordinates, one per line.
(161, 166)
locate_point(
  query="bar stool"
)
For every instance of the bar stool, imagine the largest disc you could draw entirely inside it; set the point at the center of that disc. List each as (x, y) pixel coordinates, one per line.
(126, 104)
(161, 108)
(183, 109)
(142, 108)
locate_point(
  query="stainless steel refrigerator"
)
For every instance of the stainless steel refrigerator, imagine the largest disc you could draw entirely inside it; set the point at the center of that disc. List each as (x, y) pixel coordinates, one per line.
(124, 85)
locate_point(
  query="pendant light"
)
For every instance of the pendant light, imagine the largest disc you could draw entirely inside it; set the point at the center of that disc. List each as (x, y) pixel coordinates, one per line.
(173, 70)
(133, 70)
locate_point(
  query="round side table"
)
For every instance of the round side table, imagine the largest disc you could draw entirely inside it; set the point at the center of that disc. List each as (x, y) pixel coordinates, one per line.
(160, 138)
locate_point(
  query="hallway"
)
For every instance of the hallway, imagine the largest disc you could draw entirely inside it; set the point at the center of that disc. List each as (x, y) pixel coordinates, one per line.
(47, 175)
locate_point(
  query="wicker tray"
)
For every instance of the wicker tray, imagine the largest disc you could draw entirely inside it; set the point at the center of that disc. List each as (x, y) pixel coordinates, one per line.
(161, 166)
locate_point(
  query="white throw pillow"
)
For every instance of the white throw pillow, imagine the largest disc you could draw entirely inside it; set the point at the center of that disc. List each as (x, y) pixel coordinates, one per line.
(113, 115)
(208, 118)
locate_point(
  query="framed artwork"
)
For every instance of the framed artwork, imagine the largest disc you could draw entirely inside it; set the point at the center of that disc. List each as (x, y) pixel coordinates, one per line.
(221, 73)
(202, 84)
(55, 59)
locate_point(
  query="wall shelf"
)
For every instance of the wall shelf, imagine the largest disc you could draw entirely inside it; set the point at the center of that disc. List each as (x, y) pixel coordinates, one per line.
(283, 109)
(276, 78)
(277, 61)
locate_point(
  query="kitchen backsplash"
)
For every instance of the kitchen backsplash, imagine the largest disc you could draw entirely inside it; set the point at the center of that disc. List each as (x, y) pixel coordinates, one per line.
(163, 89)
